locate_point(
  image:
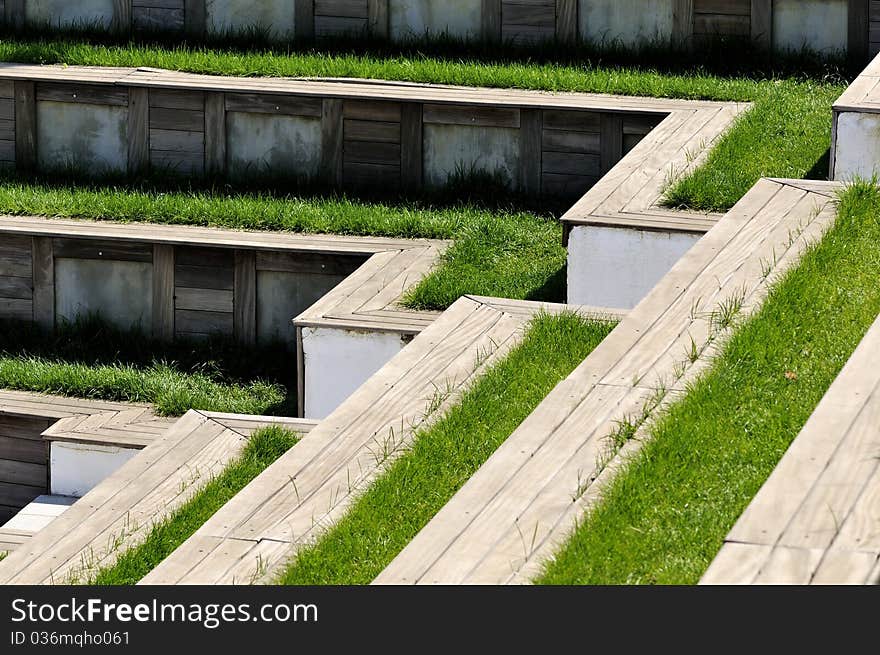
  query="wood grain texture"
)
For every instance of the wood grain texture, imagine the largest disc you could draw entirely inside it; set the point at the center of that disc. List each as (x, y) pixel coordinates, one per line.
(163, 292)
(121, 21)
(44, 283)
(194, 17)
(332, 139)
(611, 143)
(304, 20)
(490, 22)
(530, 151)
(267, 103)
(92, 94)
(411, 143)
(682, 21)
(567, 21)
(762, 24)
(858, 29)
(377, 18)
(138, 130)
(215, 134)
(25, 125)
(245, 297)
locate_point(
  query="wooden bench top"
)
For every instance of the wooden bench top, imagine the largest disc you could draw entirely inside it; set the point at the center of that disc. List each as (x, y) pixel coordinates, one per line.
(816, 520)
(120, 511)
(863, 95)
(630, 195)
(346, 88)
(550, 470)
(311, 487)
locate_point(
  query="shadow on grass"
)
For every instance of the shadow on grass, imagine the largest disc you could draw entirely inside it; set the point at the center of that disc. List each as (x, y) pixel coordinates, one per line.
(90, 341)
(821, 168)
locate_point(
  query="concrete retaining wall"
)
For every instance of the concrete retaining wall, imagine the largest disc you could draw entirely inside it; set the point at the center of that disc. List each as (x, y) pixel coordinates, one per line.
(75, 468)
(614, 267)
(825, 26)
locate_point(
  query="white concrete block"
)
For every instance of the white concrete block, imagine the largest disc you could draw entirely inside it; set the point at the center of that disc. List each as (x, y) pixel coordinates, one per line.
(820, 25)
(64, 13)
(449, 148)
(283, 296)
(857, 150)
(277, 16)
(93, 138)
(630, 23)
(415, 18)
(121, 292)
(337, 362)
(617, 267)
(283, 145)
(76, 468)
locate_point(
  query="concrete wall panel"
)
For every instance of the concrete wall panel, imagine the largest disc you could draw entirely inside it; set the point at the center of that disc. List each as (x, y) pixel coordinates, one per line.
(337, 362)
(277, 16)
(821, 25)
(416, 18)
(76, 468)
(448, 148)
(632, 23)
(121, 292)
(858, 146)
(64, 13)
(90, 137)
(615, 267)
(286, 145)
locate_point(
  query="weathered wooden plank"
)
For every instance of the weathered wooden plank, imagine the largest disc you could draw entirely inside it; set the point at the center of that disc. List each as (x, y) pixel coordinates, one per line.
(93, 94)
(367, 152)
(185, 99)
(332, 139)
(268, 103)
(682, 21)
(19, 495)
(245, 294)
(177, 141)
(532, 14)
(342, 8)
(372, 110)
(184, 120)
(490, 23)
(215, 134)
(411, 141)
(722, 25)
(101, 249)
(762, 24)
(204, 300)
(24, 450)
(25, 125)
(377, 18)
(370, 176)
(530, 151)
(186, 321)
(304, 19)
(611, 144)
(203, 277)
(20, 288)
(560, 141)
(567, 21)
(44, 282)
(572, 121)
(572, 163)
(194, 17)
(476, 116)
(307, 262)
(859, 16)
(375, 131)
(121, 20)
(138, 130)
(27, 473)
(163, 292)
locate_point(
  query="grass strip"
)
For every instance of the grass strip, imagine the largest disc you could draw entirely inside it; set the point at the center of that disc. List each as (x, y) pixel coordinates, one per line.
(444, 456)
(663, 519)
(263, 448)
(89, 359)
(786, 134)
(497, 252)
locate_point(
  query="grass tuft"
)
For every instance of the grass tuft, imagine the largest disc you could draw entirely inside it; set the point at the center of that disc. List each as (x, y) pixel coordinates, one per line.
(263, 448)
(663, 519)
(444, 456)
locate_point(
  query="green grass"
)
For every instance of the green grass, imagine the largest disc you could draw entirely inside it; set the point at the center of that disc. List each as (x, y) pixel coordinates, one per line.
(497, 252)
(444, 456)
(264, 447)
(89, 359)
(787, 133)
(664, 518)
